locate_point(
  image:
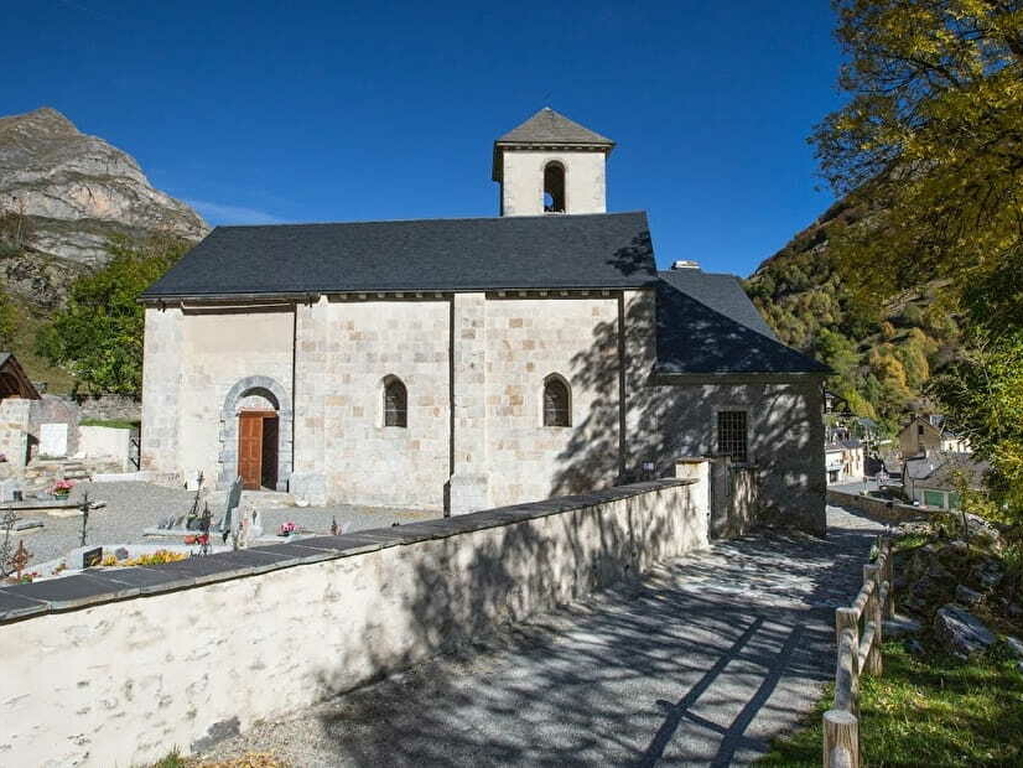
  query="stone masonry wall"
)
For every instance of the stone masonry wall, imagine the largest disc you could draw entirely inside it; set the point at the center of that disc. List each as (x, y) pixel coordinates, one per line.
(786, 435)
(161, 390)
(219, 351)
(522, 188)
(14, 430)
(109, 407)
(366, 462)
(527, 341)
(211, 645)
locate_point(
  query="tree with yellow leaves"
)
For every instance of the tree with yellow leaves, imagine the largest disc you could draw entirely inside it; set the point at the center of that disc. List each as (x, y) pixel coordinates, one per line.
(930, 147)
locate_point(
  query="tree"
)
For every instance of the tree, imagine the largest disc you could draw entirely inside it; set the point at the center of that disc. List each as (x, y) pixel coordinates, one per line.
(930, 143)
(98, 335)
(983, 395)
(930, 148)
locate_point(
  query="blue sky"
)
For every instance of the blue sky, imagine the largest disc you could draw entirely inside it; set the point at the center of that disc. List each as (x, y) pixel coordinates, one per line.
(265, 111)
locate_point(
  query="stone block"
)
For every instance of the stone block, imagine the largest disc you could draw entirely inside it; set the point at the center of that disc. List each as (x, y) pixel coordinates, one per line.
(469, 493)
(53, 440)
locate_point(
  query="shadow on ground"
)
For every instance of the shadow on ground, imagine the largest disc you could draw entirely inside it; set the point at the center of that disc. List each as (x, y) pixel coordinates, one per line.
(699, 663)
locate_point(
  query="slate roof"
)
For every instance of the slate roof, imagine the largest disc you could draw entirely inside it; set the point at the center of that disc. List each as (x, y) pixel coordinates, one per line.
(722, 293)
(547, 128)
(704, 327)
(550, 127)
(608, 250)
(940, 472)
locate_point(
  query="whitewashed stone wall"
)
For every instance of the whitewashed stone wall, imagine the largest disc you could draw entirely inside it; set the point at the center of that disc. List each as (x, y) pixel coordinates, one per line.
(123, 682)
(522, 186)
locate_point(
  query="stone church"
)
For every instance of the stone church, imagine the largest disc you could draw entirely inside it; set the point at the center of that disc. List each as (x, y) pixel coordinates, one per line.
(463, 364)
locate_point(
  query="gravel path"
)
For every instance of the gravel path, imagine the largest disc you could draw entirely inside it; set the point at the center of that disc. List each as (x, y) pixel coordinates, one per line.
(700, 664)
(131, 507)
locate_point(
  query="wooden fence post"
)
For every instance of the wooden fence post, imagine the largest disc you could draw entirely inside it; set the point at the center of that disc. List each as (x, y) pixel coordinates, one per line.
(841, 739)
(889, 606)
(872, 616)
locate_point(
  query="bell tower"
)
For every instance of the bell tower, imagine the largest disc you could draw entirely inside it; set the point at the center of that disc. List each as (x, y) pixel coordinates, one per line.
(551, 165)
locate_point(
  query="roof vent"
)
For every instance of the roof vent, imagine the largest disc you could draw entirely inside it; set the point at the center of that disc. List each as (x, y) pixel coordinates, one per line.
(685, 264)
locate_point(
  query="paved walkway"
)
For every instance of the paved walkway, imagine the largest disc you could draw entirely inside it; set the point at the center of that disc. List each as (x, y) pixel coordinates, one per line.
(701, 664)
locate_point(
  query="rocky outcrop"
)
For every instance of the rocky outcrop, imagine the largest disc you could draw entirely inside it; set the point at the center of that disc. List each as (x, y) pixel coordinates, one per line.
(75, 191)
(960, 632)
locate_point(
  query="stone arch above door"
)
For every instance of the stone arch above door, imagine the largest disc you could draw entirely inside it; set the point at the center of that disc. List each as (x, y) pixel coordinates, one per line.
(254, 386)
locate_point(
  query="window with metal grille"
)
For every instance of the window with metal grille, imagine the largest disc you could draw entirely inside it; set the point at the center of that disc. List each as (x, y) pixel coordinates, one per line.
(732, 435)
(395, 403)
(556, 403)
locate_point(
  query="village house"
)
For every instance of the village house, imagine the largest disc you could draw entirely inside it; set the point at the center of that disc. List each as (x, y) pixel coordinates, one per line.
(938, 480)
(462, 364)
(930, 433)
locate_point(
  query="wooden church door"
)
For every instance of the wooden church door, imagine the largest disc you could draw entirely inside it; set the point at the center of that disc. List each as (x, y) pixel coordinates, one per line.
(250, 449)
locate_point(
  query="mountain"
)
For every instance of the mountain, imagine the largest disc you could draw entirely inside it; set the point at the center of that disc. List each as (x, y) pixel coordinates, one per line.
(63, 194)
(883, 353)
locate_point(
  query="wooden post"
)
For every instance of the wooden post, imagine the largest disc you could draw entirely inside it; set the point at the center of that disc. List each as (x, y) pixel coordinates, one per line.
(841, 739)
(846, 618)
(872, 614)
(889, 604)
(847, 674)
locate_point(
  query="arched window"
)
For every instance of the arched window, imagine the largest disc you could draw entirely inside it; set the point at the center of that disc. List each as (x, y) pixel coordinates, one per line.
(395, 403)
(554, 188)
(557, 402)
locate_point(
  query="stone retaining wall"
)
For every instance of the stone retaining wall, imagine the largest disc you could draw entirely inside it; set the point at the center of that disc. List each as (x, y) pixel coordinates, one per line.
(889, 511)
(118, 667)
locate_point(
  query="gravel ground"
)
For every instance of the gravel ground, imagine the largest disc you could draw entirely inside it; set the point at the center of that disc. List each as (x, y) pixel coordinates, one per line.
(701, 663)
(131, 507)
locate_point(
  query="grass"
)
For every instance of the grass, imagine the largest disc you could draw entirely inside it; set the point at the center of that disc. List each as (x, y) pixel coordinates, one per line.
(928, 710)
(111, 423)
(910, 541)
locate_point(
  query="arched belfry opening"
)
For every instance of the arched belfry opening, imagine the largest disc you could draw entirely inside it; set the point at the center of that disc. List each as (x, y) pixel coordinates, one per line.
(533, 160)
(554, 187)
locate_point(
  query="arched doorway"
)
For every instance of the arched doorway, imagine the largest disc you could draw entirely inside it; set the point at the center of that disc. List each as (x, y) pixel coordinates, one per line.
(256, 435)
(258, 440)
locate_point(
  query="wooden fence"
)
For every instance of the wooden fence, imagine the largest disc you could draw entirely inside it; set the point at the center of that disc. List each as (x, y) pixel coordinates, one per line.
(858, 631)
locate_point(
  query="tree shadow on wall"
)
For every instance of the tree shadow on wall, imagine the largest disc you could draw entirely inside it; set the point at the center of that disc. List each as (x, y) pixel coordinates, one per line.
(676, 334)
(676, 666)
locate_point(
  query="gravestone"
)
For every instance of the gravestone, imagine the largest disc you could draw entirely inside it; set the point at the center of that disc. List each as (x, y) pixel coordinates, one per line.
(53, 440)
(8, 487)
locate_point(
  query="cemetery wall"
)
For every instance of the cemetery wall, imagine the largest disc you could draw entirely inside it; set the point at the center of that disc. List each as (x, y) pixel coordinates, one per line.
(104, 442)
(109, 407)
(97, 674)
(54, 409)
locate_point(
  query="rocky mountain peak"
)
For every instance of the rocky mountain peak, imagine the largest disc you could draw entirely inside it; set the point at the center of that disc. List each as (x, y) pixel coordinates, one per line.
(78, 190)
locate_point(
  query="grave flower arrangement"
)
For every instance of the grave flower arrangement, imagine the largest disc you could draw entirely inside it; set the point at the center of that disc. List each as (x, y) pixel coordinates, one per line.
(62, 488)
(287, 529)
